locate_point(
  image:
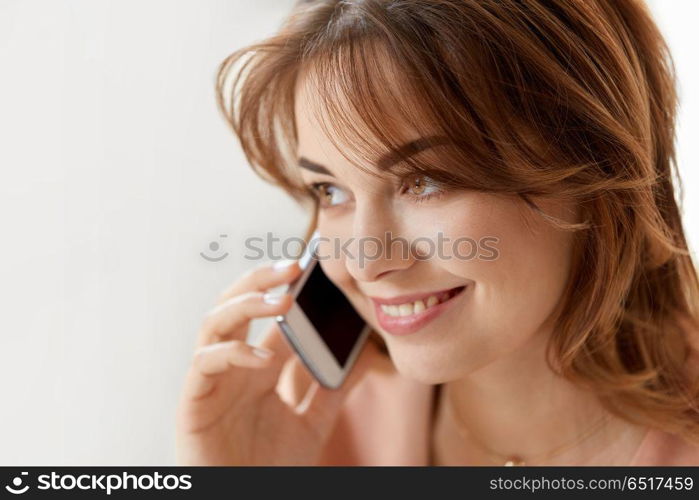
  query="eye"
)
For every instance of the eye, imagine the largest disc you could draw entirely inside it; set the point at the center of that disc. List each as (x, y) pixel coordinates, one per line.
(328, 194)
(420, 187)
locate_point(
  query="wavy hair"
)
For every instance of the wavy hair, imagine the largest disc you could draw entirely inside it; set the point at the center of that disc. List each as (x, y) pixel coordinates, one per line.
(573, 99)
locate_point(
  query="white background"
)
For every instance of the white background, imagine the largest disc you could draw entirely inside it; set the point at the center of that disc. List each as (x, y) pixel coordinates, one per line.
(117, 171)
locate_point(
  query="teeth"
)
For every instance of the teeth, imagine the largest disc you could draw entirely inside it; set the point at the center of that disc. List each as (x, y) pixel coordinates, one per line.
(413, 307)
(405, 309)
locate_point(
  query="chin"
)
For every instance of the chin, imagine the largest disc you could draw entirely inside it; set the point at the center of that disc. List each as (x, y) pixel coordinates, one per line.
(425, 368)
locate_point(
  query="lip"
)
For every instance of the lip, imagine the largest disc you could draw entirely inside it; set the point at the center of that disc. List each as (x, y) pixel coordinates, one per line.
(412, 297)
(405, 325)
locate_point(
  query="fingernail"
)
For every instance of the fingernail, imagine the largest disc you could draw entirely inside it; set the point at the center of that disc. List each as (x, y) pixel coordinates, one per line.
(261, 352)
(283, 264)
(273, 298)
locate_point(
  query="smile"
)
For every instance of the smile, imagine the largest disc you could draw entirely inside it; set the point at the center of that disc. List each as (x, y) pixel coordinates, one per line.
(409, 313)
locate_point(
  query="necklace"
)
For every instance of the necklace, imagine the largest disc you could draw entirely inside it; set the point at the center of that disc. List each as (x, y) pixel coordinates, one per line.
(513, 460)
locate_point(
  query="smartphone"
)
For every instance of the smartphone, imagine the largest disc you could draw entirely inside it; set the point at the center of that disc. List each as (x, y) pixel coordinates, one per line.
(322, 326)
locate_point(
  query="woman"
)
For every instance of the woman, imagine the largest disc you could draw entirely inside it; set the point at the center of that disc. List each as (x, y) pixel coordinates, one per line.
(546, 127)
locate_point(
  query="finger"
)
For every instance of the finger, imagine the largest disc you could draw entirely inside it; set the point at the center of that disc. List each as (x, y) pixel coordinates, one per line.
(294, 382)
(211, 361)
(230, 319)
(263, 278)
(216, 358)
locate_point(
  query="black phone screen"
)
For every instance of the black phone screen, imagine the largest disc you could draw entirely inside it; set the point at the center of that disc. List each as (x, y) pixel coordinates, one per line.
(332, 315)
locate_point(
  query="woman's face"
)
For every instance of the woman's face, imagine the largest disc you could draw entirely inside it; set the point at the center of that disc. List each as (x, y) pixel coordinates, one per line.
(506, 292)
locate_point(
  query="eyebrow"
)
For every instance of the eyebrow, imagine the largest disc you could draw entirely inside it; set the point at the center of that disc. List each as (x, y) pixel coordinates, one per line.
(314, 167)
(387, 160)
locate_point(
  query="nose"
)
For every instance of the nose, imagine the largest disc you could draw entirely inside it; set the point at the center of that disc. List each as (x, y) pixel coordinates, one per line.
(376, 249)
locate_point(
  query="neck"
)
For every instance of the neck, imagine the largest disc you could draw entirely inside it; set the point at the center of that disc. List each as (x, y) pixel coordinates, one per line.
(517, 406)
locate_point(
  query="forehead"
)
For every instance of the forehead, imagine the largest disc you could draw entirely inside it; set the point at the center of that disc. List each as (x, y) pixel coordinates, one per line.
(314, 141)
(350, 83)
(331, 127)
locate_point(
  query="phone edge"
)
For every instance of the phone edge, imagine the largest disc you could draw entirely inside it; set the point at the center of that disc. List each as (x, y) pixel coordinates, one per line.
(291, 337)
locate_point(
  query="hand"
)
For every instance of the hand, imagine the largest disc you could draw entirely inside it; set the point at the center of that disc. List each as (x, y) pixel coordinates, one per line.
(230, 411)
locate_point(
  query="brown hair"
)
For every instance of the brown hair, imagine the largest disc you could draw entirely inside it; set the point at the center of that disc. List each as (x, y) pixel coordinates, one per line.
(574, 99)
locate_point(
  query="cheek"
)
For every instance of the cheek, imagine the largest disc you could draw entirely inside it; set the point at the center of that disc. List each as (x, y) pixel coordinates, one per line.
(522, 263)
(333, 259)
(337, 272)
